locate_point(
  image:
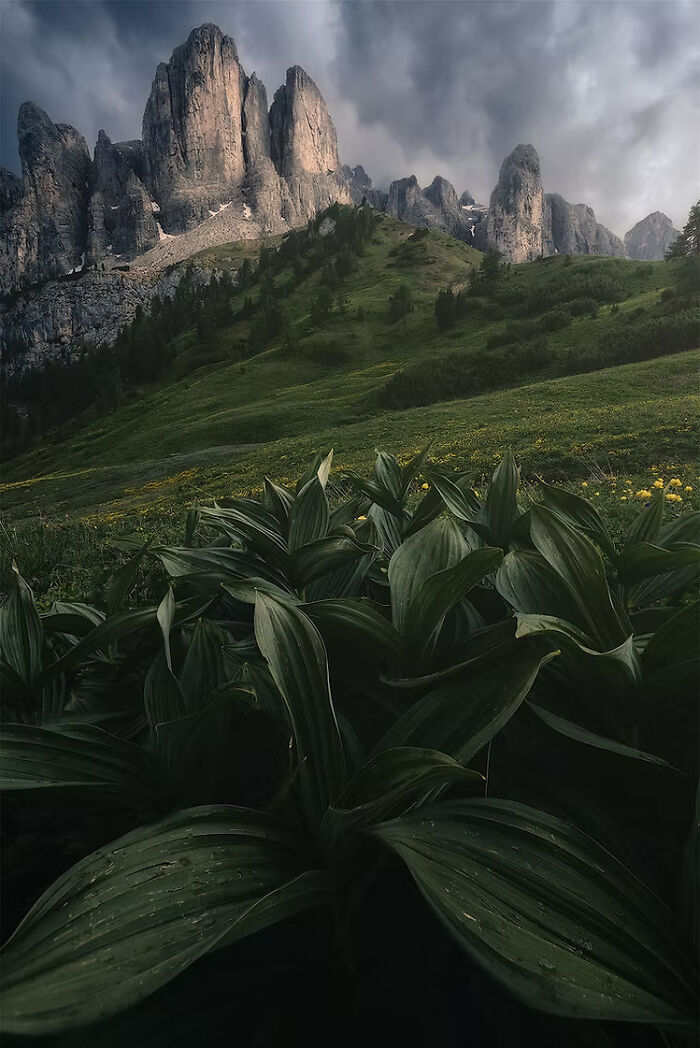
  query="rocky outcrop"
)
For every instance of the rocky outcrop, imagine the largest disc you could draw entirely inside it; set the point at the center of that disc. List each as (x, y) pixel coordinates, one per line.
(436, 207)
(43, 234)
(572, 229)
(192, 129)
(513, 225)
(121, 216)
(650, 239)
(11, 190)
(361, 188)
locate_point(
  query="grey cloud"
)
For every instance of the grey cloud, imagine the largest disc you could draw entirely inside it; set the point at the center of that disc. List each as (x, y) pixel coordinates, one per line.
(606, 92)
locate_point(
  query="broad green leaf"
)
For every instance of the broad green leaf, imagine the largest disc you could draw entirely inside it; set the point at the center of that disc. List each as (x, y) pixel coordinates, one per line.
(214, 565)
(279, 501)
(389, 474)
(203, 668)
(76, 756)
(547, 911)
(327, 554)
(412, 468)
(579, 512)
(459, 718)
(580, 565)
(296, 656)
(441, 591)
(685, 528)
(165, 616)
(377, 493)
(643, 561)
(129, 918)
(250, 522)
(646, 525)
(501, 510)
(356, 624)
(123, 624)
(246, 590)
(21, 634)
(438, 546)
(589, 738)
(309, 516)
(674, 641)
(387, 526)
(123, 581)
(391, 782)
(570, 637)
(527, 582)
(162, 695)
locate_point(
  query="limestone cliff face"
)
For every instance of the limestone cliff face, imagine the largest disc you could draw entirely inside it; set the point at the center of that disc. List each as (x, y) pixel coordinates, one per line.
(650, 239)
(436, 207)
(572, 229)
(121, 218)
(192, 129)
(43, 232)
(360, 186)
(303, 138)
(514, 222)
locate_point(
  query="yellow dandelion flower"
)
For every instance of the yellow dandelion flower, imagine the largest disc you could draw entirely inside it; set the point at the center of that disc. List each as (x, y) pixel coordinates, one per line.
(584, 483)
(596, 493)
(362, 518)
(688, 487)
(673, 498)
(658, 483)
(675, 482)
(425, 486)
(623, 498)
(643, 494)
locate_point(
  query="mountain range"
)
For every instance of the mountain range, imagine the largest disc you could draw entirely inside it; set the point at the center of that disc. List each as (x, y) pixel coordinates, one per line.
(216, 164)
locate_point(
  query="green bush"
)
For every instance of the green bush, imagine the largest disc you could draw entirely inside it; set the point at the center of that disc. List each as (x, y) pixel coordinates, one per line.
(415, 728)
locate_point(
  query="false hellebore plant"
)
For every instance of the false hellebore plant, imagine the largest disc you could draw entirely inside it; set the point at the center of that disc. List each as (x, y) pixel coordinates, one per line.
(321, 689)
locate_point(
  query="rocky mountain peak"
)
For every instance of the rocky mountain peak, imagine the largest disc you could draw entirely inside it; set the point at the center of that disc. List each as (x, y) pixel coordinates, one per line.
(441, 193)
(303, 138)
(649, 239)
(514, 221)
(192, 129)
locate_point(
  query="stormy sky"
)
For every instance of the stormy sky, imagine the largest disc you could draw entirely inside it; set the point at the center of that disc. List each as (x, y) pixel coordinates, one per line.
(608, 93)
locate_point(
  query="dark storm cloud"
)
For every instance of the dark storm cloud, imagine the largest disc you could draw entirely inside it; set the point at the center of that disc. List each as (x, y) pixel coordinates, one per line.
(607, 92)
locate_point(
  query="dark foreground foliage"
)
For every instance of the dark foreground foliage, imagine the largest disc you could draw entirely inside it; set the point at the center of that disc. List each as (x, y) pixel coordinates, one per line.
(422, 772)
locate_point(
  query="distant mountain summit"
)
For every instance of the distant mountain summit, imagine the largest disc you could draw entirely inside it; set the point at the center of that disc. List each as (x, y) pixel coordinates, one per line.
(650, 238)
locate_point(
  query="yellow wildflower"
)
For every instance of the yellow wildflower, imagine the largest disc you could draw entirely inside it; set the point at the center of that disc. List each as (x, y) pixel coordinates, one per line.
(675, 482)
(673, 498)
(623, 498)
(362, 518)
(688, 487)
(584, 483)
(596, 493)
(643, 494)
(425, 486)
(658, 483)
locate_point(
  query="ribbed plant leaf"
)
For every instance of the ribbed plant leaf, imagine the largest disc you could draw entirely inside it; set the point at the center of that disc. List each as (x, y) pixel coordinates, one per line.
(391, 782)
(324, 555)
(643, 561)
(215, 565)
(580, 565)
(389, 474)
(676, 639)
(162, 695)
(21, 634)
(309, 515)
(296, 656)
(547, 911)
(501, 510)
(578, 734)
(565, 635)
(76, 756)
(441, 591)
(357, 624)
(459, 718)
(528, 583)
(646, 525)
(438, 546)
(579, 512)
(123, 581)
(129, 918)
